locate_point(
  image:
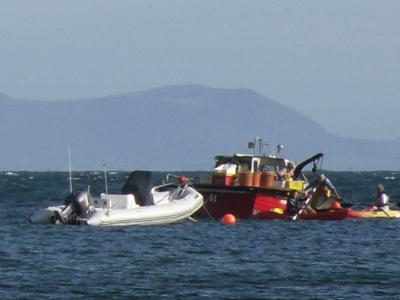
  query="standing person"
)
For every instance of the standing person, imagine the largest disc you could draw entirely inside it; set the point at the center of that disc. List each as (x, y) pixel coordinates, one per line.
(381, 201)
(323, 189)
(287, 173)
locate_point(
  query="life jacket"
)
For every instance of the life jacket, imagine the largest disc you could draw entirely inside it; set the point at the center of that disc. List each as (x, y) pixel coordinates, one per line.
(287, 175)
(382, 200)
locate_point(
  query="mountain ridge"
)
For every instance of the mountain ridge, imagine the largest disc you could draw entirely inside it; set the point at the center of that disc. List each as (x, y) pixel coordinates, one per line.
(170, 128)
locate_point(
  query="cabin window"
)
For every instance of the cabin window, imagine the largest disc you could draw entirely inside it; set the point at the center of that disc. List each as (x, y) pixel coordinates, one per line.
(268, 168)
(245, 167)
(255, 166)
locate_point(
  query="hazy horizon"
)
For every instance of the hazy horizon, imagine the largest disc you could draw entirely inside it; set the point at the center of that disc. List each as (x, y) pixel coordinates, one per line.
(334, 61)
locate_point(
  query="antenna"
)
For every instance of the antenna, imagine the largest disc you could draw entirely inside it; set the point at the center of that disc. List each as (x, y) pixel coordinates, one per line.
(70, 169)
(259, 141)
(279, 148)
(105, 178)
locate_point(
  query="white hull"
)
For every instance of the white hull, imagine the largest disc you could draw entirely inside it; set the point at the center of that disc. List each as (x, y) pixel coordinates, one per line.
(171, 205)
(170, 212)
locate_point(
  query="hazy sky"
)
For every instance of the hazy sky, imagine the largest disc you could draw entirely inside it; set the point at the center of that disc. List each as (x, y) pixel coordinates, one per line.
(338, 62)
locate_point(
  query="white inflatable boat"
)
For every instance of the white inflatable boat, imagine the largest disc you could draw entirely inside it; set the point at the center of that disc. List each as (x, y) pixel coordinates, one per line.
(140, 204)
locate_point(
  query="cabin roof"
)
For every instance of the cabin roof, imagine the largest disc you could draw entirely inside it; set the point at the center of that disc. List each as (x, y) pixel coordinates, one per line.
(264, 159)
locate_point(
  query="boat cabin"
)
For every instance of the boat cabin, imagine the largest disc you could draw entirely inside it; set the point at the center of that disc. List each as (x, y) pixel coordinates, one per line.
(249, 170)
(249, 163)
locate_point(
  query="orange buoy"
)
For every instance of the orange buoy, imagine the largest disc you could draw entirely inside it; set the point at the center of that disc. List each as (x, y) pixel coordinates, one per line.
(228, 219)
(336, 205)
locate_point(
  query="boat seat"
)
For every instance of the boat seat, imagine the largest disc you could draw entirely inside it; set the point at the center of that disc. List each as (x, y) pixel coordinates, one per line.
(140, 183)
(119, 201)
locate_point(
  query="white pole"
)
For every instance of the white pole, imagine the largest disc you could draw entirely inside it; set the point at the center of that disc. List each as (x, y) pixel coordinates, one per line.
(70, 169)
(105, 178)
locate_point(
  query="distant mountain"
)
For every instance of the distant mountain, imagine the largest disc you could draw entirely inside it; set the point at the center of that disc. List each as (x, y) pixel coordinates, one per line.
(170, 128)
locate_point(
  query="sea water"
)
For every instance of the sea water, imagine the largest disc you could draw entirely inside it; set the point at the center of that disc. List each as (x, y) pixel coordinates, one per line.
(253, 259)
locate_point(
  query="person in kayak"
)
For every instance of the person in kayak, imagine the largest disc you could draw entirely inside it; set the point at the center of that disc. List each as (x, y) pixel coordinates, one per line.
(381, 201)
(298, 202)
(323, 195)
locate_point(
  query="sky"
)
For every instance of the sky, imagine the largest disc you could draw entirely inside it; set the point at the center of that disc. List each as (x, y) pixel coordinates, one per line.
(337, 62)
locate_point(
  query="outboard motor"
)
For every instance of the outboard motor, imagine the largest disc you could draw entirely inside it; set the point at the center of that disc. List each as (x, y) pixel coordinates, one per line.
(77, 206)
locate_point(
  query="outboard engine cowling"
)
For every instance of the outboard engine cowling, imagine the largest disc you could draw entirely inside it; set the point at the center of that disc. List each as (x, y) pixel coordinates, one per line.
(77, 206)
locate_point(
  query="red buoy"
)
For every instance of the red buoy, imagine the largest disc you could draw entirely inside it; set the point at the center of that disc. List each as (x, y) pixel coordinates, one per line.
(228, 219)
(183, 180)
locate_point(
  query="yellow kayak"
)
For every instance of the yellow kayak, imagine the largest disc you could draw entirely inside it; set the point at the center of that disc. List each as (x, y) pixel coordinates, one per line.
(374, 214)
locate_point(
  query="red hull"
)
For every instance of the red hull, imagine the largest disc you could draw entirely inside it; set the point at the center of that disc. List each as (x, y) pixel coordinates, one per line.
(243, 202)
(337, 214)
(246, 184)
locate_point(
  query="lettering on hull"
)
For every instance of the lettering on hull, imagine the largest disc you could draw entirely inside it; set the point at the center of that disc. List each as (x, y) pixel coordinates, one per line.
(212, 198)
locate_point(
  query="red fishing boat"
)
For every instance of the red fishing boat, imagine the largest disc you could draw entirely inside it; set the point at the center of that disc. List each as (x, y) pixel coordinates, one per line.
(246, 185)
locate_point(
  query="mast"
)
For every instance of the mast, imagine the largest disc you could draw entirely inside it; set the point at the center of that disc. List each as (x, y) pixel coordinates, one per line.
(70, 169)
(105, 178)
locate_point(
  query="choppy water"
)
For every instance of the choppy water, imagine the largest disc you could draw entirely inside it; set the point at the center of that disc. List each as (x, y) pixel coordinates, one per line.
(349, 259)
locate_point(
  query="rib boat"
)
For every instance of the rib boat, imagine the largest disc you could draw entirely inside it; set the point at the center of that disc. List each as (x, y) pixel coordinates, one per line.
(139, 204)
